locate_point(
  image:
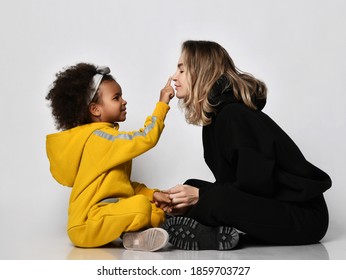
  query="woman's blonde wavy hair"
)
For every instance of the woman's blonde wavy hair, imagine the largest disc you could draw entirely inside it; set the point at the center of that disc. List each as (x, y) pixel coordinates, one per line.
(205, 62)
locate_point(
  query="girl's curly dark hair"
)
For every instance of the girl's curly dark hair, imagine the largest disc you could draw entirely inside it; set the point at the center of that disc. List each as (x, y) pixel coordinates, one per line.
(69, 93)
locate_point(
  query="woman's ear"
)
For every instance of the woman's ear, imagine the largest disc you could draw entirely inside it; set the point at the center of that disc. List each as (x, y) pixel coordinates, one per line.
(94, 109)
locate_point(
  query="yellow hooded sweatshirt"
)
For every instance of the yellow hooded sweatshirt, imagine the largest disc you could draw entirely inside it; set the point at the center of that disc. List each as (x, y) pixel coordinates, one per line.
(95, 160)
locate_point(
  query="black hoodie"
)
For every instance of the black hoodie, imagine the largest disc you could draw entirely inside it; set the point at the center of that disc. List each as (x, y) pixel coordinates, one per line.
(246, 148)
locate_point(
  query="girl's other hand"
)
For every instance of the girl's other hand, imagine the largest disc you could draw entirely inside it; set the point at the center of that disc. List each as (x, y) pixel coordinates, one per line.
(162, 200)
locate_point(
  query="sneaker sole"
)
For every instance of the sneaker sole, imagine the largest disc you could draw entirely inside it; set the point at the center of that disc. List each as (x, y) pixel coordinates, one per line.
(151, 240)
(187, 234)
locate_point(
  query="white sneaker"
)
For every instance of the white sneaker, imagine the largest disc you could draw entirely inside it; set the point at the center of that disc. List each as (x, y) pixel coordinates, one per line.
(152, 239)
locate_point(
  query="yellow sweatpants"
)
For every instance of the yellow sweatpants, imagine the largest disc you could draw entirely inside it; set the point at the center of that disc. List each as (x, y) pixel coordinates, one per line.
(107, 221)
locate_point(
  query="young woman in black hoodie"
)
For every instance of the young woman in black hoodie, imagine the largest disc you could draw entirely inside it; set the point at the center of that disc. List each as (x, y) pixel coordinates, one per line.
(264, 186)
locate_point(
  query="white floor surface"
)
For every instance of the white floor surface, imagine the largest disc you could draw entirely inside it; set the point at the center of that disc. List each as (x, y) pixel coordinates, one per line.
(52, 244)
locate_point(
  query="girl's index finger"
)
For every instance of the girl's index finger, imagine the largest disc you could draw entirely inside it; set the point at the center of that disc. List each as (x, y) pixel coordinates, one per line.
(169, 81)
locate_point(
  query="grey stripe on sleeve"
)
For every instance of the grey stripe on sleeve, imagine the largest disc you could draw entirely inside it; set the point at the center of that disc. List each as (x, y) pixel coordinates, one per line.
(112, 138)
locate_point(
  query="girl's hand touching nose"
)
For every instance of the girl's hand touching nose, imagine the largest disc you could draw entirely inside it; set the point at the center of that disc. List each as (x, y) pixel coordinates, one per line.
(167, 93)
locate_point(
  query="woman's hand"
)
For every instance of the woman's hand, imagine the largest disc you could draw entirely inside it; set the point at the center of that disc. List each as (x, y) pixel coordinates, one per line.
(167, 93)
(182, 198)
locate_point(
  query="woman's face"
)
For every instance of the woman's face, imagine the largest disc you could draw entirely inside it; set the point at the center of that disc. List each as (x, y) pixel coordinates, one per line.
(180, 79)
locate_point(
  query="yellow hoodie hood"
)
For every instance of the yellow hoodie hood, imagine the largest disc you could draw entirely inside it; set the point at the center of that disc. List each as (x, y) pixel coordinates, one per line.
(65, 149)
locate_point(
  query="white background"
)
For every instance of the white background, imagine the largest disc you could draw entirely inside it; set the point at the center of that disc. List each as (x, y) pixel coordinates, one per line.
(297, 47)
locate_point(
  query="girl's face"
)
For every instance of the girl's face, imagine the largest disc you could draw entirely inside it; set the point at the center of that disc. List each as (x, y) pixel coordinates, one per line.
(112, 106)
(180, 78)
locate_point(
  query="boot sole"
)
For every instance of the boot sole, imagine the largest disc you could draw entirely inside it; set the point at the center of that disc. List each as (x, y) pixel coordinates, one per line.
(188, 234)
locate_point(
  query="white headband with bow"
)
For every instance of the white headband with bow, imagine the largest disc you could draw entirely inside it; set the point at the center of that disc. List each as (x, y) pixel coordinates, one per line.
(96, 81)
